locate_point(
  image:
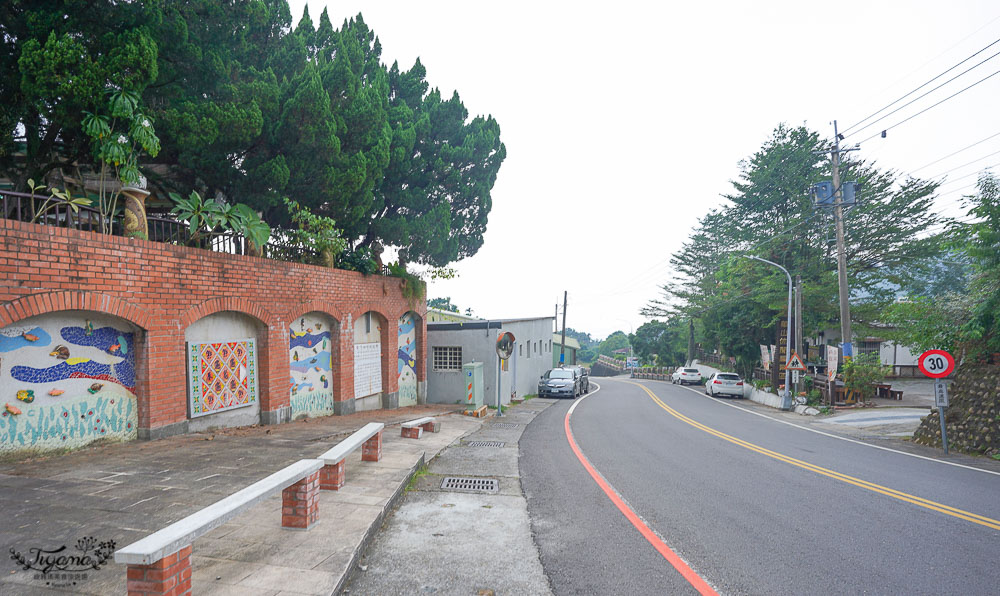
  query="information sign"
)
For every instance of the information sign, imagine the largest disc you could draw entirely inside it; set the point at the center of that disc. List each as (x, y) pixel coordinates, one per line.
(832, 360)
(936, 364)
(940, 394)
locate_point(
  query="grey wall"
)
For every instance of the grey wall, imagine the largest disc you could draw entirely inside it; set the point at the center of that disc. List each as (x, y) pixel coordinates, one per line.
(479, 345)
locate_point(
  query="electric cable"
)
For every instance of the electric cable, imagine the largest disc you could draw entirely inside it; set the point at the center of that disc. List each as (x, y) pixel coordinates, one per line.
(967, 147)
(907, 119)
(844, 132)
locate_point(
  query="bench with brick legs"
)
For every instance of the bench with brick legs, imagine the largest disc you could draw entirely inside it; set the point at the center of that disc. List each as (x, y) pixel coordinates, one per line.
(161, 562)
(414, 429)
(369, 438)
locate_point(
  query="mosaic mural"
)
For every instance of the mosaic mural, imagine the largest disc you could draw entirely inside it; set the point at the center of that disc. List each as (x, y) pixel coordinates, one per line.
(222, 376)
(66, 379)
(367, 369)
(310, 363)
(407, 360)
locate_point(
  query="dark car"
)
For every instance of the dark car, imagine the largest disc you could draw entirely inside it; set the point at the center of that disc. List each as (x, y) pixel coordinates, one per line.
(584, 377)
(559, 382)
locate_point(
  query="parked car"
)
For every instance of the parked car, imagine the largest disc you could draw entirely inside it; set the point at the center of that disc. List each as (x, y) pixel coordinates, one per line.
(584, 376)
(724, 384)
(684, 375)
(559, 382)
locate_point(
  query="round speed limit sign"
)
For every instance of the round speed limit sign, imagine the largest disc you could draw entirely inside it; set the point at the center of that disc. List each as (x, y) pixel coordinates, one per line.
(936, 364)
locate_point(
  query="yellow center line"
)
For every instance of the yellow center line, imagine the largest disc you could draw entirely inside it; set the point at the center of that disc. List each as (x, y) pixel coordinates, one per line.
(920, 501)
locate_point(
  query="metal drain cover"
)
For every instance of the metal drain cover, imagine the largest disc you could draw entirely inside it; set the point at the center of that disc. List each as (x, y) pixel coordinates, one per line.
(505, 425)
(471, 485)
(485, 444)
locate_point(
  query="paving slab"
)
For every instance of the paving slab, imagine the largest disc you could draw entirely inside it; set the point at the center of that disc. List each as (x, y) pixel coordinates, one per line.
(125, 491)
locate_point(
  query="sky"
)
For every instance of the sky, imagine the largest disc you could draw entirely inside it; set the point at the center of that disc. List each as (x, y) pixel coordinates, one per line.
(625, 122)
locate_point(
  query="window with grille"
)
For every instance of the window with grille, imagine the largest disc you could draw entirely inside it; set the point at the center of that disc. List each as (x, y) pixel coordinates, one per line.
(447, 358)
(868, 347)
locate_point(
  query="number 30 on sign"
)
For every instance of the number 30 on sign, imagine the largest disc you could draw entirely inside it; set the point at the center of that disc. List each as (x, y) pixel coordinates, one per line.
(936, 364)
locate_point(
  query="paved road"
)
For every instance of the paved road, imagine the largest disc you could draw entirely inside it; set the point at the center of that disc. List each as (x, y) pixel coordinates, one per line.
(754, 506)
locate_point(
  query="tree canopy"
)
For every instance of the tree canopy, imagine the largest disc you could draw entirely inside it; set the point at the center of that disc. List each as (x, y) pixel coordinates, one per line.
(890, 241)
(252, 108)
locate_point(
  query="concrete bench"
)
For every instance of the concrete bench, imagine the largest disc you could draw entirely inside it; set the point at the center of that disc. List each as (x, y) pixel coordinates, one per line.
(414, 429)
(368, 437)
(161, 562)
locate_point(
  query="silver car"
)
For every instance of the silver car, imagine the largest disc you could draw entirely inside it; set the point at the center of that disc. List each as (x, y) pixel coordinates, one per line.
(721, 383)
(559, 382)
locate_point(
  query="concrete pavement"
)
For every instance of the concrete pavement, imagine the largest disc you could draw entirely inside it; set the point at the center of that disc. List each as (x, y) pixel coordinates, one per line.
(125, 491)
(447, 541)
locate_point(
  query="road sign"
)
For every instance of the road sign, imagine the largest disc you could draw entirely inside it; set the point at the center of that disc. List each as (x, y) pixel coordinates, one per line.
(795, 363)
(940, 394)
(936, 364)
(505, 345)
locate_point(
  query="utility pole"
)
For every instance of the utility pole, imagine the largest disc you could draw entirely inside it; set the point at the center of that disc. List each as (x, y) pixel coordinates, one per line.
(562, 348)
(798, 323)
(690, 342)
(838, 211)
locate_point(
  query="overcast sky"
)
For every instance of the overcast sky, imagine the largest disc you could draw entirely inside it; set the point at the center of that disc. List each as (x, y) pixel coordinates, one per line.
(625, 121)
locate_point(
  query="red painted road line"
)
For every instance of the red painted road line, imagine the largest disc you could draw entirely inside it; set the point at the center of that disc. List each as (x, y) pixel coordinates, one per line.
(689, 574)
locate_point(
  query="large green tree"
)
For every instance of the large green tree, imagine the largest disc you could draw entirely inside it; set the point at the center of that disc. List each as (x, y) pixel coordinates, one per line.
(770, 214)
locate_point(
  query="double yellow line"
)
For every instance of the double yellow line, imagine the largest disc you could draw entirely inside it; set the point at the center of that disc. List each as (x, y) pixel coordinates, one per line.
(925, 503)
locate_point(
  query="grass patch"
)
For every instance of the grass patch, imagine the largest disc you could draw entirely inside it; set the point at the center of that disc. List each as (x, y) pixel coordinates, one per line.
(530, 396)
(995, 456)
(420, 473)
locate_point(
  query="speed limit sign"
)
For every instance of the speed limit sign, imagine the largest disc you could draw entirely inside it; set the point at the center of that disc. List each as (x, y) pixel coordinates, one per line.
(936, 364)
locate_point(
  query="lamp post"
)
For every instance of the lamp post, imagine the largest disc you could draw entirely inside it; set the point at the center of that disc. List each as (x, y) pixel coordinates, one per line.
(786, 403)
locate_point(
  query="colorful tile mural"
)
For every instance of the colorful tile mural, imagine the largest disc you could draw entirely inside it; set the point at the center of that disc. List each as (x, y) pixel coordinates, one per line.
(222, 376)
(310, 363)
(66, 379)
(407, 360)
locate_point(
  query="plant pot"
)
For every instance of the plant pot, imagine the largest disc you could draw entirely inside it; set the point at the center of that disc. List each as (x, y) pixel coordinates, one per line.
(135, 223)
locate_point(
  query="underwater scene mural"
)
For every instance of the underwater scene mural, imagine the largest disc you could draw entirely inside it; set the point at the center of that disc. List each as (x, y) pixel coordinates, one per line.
(66, 379)
(310, 366)
(407, 360)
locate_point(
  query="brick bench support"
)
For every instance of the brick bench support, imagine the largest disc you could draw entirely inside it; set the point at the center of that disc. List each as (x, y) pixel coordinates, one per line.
(368, 438)
(160, 563)
(414, 429)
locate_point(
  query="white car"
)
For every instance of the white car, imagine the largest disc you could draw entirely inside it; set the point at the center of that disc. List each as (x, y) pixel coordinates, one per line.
(724, 384)
(686, 375)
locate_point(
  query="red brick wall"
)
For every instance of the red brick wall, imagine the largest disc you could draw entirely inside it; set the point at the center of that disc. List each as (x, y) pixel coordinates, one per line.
(163, 288)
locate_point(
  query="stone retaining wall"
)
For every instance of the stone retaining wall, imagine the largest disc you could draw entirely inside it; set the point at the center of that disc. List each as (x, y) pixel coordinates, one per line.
(973, 418)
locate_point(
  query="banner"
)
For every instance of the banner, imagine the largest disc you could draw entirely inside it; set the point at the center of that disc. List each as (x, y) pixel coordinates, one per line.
(765, 357)
(832, 360)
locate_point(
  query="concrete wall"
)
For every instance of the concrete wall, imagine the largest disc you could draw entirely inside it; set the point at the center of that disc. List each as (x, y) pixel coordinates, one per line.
(528, 363)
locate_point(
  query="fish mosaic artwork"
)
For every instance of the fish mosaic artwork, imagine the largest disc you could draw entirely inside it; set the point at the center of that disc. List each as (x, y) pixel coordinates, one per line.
(311, 368)
(406, 363)
(77, 354)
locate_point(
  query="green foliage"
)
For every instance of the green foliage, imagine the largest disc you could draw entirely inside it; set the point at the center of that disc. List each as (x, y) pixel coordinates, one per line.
(317, 232)
(360, 260)
(56, 197)
(662, 342)
(616, 341)
(250, 107)
(862, 372)
(248, 223)
(203, 216)
(442, 304)
(583, 338)
(738, 303)
(413, 288)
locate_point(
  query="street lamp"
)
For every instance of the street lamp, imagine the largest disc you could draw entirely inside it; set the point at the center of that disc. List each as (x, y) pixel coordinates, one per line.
(786, 403)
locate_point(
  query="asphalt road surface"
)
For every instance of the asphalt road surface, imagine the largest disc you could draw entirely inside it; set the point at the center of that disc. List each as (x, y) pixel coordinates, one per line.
(752, 505)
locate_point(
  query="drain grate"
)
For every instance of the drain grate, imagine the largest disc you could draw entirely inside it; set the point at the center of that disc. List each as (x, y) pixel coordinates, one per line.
(471, 485)
(505, 425)
(485, 444)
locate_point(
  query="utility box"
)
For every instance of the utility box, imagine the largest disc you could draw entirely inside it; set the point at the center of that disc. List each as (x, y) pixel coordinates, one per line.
(472, 382)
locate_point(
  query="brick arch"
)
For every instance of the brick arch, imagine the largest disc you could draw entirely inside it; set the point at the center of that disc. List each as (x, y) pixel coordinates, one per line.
(362, 308)
(331, 309)
(227, 303)
(38, 304)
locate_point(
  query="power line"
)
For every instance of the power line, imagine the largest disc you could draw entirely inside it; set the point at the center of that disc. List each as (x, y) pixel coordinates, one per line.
(976, 173)
(955, 152)
(921, 87)
(932, 106)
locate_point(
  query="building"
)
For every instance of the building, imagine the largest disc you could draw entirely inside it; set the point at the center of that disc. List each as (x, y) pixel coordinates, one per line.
(436, 315)
(570, 353)
(452, 344)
